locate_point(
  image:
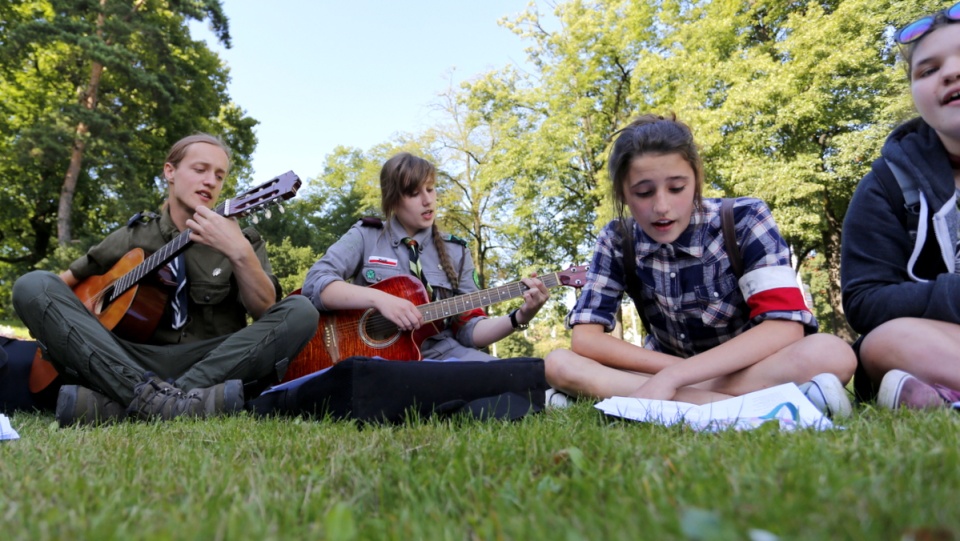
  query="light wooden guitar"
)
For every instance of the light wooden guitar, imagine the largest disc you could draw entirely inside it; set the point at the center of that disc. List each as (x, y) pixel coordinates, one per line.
(346, 333)
(128, 303)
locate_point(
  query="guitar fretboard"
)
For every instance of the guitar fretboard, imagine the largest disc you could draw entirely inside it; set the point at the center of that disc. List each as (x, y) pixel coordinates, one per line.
(462, 303)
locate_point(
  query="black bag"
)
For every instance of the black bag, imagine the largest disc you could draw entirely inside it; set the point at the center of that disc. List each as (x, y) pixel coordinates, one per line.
(16, 358)
(376, 390)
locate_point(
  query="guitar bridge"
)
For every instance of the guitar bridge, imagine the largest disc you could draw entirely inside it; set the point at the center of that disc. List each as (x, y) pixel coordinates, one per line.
(330, 338)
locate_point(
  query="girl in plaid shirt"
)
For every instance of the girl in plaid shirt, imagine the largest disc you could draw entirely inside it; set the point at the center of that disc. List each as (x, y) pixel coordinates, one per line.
(710, 336)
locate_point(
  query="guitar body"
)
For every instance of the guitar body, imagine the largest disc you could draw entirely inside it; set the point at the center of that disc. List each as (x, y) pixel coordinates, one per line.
(135, 314)
(348, 333)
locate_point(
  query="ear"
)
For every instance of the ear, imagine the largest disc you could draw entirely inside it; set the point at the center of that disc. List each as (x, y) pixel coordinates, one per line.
(168, 170)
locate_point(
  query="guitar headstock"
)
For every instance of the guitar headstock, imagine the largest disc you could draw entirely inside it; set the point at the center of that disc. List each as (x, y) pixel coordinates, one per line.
(273, 191)
(575, 276)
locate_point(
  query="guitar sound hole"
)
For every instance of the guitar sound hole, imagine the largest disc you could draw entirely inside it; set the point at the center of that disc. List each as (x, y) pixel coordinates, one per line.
(377, 331)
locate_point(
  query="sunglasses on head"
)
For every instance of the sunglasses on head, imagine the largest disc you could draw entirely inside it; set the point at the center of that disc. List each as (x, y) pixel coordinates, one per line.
(919, 28)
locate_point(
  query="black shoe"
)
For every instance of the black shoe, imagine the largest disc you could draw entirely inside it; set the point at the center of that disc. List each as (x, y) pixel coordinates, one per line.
(79, 405)
(154, 397)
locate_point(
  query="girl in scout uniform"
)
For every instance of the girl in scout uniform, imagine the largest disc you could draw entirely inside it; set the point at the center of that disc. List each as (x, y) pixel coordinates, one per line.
(710, 336)
(409, 242)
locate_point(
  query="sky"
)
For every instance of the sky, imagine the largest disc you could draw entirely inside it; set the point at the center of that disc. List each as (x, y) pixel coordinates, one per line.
(323, 73)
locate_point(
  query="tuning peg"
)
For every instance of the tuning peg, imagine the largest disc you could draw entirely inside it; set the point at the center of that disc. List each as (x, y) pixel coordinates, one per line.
(266, 214)
(280, 208)
(256, 219)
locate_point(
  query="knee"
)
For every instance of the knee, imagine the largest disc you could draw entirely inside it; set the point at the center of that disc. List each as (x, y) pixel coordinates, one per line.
(901, 340)
(831, 354)
(888, 340)
(301, 316)
(556, 367)
(32, 285)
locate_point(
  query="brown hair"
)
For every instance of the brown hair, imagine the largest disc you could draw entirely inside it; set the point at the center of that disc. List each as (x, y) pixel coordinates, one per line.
(652, 134)
(403, 175)
(179, 149)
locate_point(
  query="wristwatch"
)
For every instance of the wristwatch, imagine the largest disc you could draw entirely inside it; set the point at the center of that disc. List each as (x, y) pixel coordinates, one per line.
(517, 326)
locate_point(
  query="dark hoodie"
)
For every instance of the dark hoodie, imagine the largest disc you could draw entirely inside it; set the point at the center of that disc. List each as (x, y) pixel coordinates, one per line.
(885, 272)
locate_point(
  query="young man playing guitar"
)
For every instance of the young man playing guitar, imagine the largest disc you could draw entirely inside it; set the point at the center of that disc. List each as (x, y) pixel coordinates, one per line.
(201, 353)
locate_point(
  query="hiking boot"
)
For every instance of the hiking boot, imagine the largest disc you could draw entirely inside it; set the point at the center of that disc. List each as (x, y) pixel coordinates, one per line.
(829, 395)
(155, 398)
(79, 405)
(898, 389)
(556, 399)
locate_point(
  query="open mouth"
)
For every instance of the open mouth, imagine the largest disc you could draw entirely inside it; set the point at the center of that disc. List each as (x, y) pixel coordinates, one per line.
(952, 97)
(205, 195)
(428, 214)
(662, 224)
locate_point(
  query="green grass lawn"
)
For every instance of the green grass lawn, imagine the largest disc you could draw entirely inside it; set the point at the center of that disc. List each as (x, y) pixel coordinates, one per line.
(565, 474)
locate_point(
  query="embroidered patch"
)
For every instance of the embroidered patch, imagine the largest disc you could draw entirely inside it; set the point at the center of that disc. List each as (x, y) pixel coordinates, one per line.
(370, 275)
(380, 260)
(216, 271)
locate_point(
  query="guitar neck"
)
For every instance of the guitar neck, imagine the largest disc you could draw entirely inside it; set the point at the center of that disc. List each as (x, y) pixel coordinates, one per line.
(456, 305)
(156, 260)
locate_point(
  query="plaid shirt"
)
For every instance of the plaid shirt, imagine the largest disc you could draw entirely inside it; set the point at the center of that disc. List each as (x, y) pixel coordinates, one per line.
(690, 296)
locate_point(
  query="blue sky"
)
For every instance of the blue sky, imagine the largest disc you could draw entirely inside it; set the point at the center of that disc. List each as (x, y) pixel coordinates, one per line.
(322, 73)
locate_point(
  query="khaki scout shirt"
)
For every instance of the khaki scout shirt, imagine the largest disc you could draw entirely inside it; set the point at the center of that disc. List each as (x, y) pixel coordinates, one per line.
(367, 255)
(213, 305)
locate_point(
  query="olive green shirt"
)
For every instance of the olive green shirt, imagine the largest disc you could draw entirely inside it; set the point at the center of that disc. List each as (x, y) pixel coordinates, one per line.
(213, 306)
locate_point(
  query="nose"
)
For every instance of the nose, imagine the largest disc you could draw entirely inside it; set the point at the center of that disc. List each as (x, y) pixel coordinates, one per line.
(661, 205)
(950, 69)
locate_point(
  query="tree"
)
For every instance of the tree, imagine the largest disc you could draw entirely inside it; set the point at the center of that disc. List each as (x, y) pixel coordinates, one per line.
(96, 93)
(327, 205)
(556, 121)
(790, 101)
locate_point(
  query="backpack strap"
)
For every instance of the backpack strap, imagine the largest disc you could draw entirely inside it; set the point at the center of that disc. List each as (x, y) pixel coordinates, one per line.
(728, 223)
(891, 178)
(631, 280)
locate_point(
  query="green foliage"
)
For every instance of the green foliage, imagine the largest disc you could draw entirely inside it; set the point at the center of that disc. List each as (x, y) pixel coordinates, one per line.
(327, 205)
(290, 263)
(885, 476)
(514, 345)
(157, 85)
(790, 102)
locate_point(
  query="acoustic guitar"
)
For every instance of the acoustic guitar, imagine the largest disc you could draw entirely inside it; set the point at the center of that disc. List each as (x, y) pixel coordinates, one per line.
(130, 306)
(346, 333)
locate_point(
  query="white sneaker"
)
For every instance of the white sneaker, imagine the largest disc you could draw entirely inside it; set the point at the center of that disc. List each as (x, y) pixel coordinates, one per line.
(828, 395)
(557, 399)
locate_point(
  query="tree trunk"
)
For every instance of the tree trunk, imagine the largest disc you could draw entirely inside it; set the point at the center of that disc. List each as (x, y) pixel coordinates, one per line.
(88, 100)
(831, 254)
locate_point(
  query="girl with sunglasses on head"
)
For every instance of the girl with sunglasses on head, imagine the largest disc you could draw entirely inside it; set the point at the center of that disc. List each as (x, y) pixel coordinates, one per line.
(899, 266)
(710, 335)
(374, 250)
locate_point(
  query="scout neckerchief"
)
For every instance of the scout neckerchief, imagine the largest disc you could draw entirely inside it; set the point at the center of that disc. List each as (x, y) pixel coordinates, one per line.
(415, 268)
(178, 267)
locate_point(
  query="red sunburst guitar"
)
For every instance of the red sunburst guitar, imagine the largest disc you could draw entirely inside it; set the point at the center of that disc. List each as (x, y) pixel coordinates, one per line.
(346, 333)
(130, 306)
